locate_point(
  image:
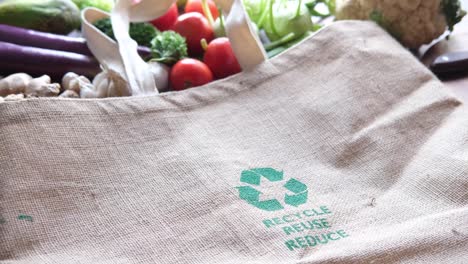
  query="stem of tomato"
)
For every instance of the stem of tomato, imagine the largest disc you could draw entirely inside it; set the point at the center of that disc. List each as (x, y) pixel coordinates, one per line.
(204, 44)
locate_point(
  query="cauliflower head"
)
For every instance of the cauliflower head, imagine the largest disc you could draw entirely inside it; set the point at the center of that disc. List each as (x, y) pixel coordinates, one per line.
(412, 22)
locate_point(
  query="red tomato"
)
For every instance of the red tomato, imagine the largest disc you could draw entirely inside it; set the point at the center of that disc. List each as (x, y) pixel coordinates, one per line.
(194, 27)
(188, 73)
(221, 59)
(196, 6)
(168, 20)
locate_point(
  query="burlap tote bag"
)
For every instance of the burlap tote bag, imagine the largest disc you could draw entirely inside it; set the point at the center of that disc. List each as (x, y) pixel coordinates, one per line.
(344, 149)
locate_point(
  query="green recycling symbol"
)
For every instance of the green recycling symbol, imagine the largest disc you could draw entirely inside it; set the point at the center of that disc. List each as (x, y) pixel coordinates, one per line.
(252, 195)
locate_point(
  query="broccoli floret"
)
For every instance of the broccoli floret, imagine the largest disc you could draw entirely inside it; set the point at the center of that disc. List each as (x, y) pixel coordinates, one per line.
(105, 26)
(168, 47)
(142, 33)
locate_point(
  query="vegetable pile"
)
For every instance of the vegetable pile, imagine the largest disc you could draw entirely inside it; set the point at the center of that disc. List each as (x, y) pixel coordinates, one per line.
(189, 39)
(38, 59)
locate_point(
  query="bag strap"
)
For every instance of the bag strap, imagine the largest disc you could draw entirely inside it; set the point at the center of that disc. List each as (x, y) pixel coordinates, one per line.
(244, 40)
(121, 56)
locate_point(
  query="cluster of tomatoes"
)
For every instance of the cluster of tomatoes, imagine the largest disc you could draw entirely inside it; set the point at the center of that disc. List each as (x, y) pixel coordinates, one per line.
(216, 60)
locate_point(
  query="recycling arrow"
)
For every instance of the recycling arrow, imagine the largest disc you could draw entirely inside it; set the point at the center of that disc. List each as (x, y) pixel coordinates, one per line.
(252, 195)
(300, 193)
(253, 176)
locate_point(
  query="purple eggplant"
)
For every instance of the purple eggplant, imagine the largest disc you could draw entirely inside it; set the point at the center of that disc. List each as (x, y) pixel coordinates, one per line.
(39, 61)
(33, 38)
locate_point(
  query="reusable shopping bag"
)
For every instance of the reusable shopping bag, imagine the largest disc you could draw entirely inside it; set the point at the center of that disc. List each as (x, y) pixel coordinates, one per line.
(344, 149)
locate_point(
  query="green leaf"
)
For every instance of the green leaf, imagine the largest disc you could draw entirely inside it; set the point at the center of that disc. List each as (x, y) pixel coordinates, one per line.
(453, 12)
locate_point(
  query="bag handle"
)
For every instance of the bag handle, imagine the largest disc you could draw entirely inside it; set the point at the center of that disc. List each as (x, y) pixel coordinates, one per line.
(244, 40)
(121, 57)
